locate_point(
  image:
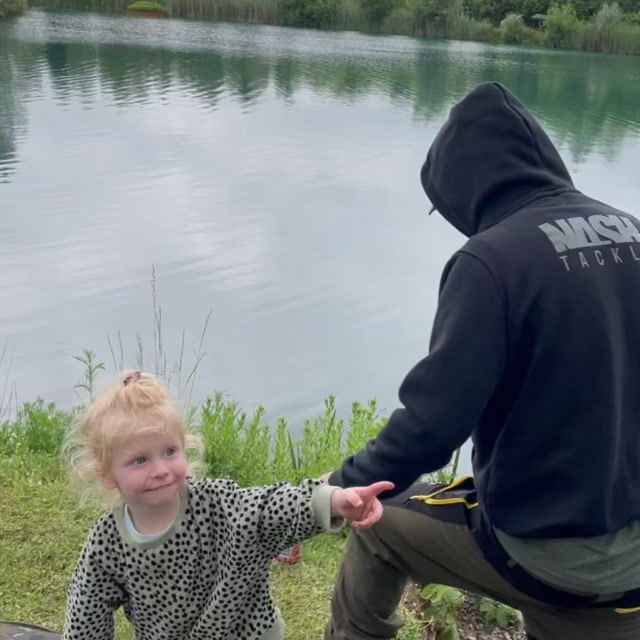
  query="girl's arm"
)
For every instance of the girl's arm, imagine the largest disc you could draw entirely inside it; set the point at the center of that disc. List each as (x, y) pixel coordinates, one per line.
(281, 515)
(94, 595)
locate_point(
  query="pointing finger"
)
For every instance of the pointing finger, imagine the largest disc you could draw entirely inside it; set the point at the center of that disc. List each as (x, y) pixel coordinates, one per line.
(377, 488)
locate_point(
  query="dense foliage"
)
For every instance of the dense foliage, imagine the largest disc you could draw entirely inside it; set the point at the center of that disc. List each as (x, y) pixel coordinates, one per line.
(147, 5)
(497, 10)
(10, 8)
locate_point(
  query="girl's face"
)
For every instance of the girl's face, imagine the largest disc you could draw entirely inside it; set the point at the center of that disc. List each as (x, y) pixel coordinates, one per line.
(148, 470)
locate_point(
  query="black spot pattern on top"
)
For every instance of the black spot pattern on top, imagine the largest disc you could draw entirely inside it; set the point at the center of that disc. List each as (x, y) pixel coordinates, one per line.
(209, 580)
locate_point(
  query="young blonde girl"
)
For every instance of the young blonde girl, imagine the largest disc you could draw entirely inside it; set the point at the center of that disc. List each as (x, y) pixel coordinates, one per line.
(187, 560)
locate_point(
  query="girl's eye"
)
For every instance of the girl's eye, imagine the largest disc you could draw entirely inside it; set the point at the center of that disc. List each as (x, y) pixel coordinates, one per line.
(139, 460)
(170, 452)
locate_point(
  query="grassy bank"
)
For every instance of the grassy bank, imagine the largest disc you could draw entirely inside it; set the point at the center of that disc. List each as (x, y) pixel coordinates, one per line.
(591, 26)
(43, 525)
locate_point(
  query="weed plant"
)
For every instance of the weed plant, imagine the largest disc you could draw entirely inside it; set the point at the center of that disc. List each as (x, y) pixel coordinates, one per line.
(37, 429)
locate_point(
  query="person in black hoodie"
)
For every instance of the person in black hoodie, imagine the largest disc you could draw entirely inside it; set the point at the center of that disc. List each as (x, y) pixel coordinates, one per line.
(534, 354)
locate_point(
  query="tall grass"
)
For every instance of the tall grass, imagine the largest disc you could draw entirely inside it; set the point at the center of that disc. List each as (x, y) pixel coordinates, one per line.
(245, 448)
(610, 30)
(237, 444)
(176, 371)
(38, 428)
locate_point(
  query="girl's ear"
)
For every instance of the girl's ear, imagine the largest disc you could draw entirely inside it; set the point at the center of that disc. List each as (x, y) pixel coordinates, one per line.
(107, 479)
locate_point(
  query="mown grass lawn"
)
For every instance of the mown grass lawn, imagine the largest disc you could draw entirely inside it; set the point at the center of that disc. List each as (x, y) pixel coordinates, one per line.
(42, 528)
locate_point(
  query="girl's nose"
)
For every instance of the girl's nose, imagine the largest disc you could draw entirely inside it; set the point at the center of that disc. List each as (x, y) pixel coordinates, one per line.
(160, 469)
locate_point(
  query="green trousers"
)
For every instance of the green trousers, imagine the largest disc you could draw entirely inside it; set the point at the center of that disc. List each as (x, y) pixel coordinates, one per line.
(406, 544)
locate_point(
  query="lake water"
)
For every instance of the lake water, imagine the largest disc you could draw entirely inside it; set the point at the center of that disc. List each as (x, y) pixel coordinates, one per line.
(271, 176)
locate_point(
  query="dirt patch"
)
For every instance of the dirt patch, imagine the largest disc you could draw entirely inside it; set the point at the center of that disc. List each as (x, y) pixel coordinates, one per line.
(471, 623)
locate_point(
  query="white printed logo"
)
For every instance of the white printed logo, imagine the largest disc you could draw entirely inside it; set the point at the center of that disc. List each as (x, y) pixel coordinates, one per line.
(597, 239)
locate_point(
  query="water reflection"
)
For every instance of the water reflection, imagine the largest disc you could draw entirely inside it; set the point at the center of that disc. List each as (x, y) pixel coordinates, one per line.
(14, 89)
(588, 102)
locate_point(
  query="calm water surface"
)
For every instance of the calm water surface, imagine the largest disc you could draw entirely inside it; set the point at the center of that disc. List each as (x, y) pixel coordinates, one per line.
(271, 176)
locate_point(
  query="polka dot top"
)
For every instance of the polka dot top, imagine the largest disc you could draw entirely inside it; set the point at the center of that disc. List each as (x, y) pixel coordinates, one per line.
(207, 576)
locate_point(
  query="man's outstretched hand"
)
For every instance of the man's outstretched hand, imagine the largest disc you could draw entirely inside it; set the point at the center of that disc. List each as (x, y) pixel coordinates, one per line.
(360, 504)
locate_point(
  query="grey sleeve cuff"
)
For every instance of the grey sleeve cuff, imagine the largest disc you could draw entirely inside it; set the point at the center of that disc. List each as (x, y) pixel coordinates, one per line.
(321, 505)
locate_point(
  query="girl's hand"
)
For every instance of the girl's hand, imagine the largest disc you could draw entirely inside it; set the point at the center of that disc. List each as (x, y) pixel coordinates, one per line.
(360, 504)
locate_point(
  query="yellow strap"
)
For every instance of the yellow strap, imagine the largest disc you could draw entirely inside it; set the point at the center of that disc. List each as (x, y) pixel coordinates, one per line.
(625, 611)
(431, 498)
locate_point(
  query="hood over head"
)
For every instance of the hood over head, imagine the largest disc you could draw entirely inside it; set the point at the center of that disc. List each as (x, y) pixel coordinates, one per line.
(489, 159)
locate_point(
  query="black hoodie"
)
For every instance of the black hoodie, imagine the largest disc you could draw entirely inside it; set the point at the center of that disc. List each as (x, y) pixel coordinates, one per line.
(535, 347)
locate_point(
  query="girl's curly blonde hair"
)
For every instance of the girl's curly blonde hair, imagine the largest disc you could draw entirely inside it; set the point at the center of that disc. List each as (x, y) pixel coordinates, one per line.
(140, 404)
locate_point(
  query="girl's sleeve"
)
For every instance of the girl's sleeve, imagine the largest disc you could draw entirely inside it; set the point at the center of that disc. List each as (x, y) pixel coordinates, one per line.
(281, 515)
(94, 595)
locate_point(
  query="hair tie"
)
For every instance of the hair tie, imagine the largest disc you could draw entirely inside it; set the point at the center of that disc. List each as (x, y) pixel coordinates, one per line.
(132, 378)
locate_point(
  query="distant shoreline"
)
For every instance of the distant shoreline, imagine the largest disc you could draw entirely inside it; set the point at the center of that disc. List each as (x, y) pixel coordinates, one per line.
(610, 30)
